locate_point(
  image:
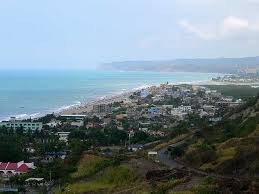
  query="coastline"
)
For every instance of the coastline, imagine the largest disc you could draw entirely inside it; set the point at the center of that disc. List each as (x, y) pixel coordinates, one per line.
(86, 108)
(34, 94)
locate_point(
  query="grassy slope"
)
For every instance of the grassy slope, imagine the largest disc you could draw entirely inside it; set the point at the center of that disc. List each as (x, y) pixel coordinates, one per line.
(112, 178)
(232, 147)
(88, 165)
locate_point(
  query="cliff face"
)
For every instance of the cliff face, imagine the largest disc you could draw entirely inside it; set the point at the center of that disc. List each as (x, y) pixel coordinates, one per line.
(217, 65)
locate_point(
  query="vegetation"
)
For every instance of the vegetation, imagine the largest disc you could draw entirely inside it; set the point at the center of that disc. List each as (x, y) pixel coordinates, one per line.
(89, 165)
(164, 187)
(237, 91)
(110, 179)
(199, 153)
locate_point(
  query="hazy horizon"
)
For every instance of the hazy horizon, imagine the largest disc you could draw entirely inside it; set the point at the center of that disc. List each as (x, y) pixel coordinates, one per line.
(83, 34)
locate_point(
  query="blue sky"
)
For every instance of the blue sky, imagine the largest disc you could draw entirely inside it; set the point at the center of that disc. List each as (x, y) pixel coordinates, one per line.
(85, 33)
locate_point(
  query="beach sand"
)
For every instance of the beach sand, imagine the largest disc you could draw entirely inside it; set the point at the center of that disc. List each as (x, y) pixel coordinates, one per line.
(88, 107)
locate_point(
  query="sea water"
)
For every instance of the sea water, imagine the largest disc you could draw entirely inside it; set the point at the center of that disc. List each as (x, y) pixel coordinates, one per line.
(33, 93)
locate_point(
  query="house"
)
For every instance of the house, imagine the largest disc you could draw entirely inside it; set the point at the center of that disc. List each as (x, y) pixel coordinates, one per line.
(144, 126)
(50, 156)
(121, 116)
(73, 117)
(77, 123)
(154, 110)
(215, 119)
(144, 93)
(63, 136)
(153, 155)
(29, 150)
(157, 98)
(182, 108)
(11, 169)
(54, 123)
(34, 181)
(135, 147)
(93, 125)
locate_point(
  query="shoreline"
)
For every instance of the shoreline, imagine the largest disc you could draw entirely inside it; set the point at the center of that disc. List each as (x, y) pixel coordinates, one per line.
(85, 108)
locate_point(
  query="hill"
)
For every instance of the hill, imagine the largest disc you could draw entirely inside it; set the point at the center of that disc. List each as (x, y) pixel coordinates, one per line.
(231, 147)
(214, 65)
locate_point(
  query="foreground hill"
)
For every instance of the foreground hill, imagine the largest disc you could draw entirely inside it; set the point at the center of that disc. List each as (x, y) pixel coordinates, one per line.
(230, 148)
(216, 65)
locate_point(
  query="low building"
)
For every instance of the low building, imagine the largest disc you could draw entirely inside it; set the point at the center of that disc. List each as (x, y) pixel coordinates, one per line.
(121, 116)
(11, 168)
(154, 110)
(50, 156)
(215, 119)
(182, 108)
(24, 125)
(73, 117)
(135, 147)
(54, 123)
(63, 136)
(153, 155)
(77, 123)
(144, 93)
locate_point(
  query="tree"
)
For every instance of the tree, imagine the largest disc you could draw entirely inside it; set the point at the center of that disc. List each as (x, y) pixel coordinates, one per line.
(11, 149)
(139, 137)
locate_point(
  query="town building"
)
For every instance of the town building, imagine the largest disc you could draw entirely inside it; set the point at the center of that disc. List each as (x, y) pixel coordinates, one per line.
(24, 125)
(63, 136)
(11, 168)
(73, 117)
(102, 108)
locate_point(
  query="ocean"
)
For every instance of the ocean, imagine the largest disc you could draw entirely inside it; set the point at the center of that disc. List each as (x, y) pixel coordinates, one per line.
(33, 93)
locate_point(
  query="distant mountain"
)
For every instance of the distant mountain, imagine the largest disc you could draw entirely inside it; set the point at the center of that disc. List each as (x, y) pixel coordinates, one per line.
(215, 65)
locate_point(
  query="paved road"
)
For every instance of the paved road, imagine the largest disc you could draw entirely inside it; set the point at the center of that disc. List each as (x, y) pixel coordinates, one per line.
(166, 158)
(171, 163)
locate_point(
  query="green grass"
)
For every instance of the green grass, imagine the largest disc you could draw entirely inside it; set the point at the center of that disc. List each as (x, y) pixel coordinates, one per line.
(89, 165)
(247, 127)
(237, 91)
(223, 155)
(112, 178)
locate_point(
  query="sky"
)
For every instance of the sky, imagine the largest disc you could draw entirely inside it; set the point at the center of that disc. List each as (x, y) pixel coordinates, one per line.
(85, 33)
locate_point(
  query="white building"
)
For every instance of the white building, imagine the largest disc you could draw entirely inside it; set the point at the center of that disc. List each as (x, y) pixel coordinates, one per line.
(25, 125)
(53, 123)
(63, 136)
(182, 109)
(77, 123)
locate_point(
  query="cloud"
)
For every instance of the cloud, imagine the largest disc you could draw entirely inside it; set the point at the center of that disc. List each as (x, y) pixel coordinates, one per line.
(229, 26)
(233, 24)
(195, 30)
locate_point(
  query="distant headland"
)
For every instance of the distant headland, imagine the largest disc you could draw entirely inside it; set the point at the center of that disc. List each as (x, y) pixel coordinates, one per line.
(204, 65)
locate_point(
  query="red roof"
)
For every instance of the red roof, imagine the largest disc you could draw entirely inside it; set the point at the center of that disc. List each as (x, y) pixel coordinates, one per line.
(22, 168)
(11, 166)
(3, 166)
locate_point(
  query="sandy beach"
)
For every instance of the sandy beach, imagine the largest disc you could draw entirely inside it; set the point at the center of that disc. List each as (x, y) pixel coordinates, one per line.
(88, 107)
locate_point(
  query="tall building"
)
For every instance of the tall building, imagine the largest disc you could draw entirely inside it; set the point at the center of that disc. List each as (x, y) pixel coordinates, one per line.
(102, 108)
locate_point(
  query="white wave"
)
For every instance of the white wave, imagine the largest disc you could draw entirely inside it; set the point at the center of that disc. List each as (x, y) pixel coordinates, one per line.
(141, 87)
(65, 107)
